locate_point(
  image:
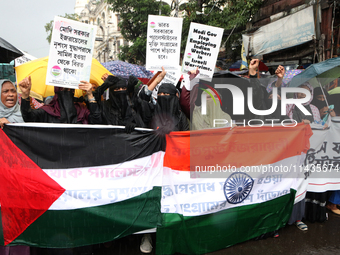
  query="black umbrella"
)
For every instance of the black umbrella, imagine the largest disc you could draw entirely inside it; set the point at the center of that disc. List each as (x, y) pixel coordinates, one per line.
(8, 52)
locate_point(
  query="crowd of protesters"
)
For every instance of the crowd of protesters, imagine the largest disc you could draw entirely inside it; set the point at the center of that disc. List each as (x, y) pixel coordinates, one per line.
(176, 108)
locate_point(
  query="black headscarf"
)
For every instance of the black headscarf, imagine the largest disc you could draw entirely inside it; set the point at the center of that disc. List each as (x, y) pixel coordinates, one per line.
(65, 109)
(317, 92)
(119, 109)
(119, 99)
(168, 104)
(168, 116)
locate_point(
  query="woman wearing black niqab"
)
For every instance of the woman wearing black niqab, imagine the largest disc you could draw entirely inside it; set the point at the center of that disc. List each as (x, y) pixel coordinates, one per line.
(62, 108)
(121, 107)
(168, 112)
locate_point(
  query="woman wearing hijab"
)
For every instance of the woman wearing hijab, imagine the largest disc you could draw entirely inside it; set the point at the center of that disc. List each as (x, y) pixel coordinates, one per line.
(319, 101)
(294, 113)
(121, 108)
(62, 108)
(10, 113)
(214, 112)
(166, 117)
(9, 106)
(166, 112)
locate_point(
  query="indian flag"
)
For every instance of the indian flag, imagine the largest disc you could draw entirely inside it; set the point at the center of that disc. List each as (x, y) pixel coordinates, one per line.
(74, 185)
(204, 210)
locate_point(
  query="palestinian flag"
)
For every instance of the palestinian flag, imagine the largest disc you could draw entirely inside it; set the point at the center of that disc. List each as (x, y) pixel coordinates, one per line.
(74, 185)
(207, 210)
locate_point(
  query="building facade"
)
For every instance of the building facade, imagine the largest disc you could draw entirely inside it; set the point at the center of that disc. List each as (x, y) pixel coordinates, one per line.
(326, 24)
(109, 39)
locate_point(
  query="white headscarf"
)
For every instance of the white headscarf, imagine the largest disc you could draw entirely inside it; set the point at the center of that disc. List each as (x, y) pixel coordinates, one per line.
(12, 114)
(214, 111)
(315, 110)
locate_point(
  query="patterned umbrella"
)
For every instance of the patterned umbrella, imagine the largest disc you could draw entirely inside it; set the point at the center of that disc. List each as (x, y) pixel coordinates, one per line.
(286, 78)
(318, 74)
(125, 69)
(290, 74)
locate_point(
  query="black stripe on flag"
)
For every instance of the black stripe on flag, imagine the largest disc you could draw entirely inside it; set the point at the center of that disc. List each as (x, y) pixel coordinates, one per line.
(68, 146)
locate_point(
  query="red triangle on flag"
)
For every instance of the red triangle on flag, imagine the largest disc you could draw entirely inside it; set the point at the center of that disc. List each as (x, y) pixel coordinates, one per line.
(26, 191)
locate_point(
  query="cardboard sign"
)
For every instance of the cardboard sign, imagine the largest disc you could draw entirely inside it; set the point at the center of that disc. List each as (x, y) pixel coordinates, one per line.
(170, 77)
(71, 50)
(163, 43)
(202, 49)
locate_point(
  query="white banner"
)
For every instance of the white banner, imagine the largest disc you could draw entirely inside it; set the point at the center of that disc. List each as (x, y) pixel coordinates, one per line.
(95, 186)
(23, 59)
(323, 158)
(198, 196)
(203, 46)
(163, 43)
(71, 51)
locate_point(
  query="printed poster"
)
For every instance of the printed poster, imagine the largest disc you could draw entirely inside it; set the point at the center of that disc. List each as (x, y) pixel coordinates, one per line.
(202, 49)
(71, 51)
(163, 43)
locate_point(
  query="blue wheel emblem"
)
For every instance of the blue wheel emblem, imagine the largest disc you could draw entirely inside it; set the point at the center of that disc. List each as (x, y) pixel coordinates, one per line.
(238, 187)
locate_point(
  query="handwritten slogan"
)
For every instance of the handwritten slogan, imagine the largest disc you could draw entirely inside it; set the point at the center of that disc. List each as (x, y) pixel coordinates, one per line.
(163, 43)
(202, 49)
(71, 50)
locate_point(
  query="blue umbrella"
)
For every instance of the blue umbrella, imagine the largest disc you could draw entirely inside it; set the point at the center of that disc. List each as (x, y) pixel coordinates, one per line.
(125, 69)
(318, 74)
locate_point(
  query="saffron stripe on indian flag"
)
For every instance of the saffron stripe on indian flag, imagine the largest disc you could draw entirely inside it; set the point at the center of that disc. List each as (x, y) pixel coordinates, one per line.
(240, 146)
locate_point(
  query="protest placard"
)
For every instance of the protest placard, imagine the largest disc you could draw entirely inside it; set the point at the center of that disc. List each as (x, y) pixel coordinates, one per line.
(163, 43)
(71, 50)
(170, 77)
(202, 49)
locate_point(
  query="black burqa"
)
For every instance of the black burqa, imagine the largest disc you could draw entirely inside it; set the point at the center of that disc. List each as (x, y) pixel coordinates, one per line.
(62, 109)
(167, 114)
(121, 107)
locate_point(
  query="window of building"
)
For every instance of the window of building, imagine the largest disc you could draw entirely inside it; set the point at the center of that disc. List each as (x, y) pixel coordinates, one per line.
(118, 20)
(118, 46)
(103, 17)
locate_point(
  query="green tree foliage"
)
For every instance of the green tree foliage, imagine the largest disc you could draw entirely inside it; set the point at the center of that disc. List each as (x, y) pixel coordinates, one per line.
(226, 14)
(220, 13)
(133, 25)
(49, 25)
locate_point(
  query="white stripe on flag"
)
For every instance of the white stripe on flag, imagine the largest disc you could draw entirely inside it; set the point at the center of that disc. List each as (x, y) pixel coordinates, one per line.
(101, 185)
(192, 197)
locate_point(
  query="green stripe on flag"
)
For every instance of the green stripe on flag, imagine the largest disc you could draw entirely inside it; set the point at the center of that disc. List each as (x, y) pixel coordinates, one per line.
(211, 232)
(72, 228)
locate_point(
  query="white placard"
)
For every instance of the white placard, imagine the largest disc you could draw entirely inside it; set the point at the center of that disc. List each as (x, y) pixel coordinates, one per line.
(23, 59)
(163, 43)
(202, 49)
(71, 50)
(170, 77)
